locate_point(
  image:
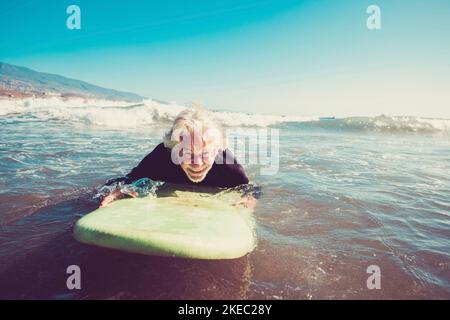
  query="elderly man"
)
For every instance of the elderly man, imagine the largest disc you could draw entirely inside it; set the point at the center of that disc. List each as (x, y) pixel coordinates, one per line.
(193, 152)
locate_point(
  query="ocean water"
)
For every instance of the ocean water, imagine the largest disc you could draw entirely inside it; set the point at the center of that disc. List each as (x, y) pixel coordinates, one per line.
(349, 193)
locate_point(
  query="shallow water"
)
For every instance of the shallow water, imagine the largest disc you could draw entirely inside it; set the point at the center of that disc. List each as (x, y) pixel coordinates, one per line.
(343, 199)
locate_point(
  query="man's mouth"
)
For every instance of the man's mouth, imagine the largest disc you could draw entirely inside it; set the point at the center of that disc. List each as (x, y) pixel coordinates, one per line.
(196, 173)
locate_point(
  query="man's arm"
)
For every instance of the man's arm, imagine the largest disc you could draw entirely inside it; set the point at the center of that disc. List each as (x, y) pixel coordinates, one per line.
(145, 169)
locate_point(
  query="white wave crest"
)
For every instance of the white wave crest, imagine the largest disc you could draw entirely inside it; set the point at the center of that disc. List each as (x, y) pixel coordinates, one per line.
(120, 114)
(20, 106)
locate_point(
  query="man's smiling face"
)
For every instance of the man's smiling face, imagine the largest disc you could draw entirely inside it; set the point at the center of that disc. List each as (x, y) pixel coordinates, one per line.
(197, 157)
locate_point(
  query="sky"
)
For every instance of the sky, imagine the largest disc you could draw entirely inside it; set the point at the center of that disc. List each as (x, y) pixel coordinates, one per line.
(308, 58)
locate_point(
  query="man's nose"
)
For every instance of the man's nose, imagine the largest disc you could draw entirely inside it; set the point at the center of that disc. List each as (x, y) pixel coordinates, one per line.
(197, 160)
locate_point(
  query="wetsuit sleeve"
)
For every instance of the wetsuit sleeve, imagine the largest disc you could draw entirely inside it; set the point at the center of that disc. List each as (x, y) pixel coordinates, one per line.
(148, 167)
(234, 176)
(229, 172)
(240, 181)
(237, 175)
(140, 178)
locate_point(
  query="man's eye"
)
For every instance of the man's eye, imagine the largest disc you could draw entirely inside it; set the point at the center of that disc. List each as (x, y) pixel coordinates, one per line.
(183, 152)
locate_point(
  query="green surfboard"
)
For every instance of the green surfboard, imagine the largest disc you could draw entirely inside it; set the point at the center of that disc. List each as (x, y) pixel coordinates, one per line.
(189, 225)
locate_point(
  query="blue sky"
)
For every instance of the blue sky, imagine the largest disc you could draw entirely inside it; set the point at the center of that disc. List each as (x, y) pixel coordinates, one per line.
(278, 57)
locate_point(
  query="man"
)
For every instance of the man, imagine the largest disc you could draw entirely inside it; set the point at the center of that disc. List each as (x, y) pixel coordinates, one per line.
(193, 152)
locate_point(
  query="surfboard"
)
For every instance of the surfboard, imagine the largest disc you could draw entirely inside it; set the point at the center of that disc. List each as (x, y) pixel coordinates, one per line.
(188, 225)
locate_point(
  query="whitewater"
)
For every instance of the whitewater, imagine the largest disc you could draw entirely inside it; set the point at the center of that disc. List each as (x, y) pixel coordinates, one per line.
(122, 114)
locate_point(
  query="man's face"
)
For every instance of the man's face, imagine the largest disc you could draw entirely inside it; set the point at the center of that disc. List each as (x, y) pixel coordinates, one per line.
(198, 157)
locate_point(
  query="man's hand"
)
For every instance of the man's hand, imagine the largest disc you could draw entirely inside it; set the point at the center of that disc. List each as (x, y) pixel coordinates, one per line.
(113, 196)
(247, 202)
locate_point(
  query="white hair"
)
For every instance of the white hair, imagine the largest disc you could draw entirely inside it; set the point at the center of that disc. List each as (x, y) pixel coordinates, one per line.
(190, 119)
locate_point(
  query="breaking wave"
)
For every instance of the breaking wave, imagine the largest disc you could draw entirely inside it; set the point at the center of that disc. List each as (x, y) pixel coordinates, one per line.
(119, 114)
(383, 123)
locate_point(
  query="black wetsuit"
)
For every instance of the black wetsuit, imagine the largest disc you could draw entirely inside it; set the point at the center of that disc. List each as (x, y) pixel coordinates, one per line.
(158, 166)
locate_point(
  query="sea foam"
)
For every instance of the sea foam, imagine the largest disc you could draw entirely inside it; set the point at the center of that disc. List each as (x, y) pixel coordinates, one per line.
(121, 114)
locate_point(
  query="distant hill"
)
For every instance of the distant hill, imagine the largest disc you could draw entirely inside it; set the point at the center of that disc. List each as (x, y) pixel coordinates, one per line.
(18, 81)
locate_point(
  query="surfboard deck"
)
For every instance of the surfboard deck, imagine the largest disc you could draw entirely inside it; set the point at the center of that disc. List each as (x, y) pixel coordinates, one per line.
(188, 225)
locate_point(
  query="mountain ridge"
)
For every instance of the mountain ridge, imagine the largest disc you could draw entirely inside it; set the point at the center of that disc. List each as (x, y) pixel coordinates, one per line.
(19, 81)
